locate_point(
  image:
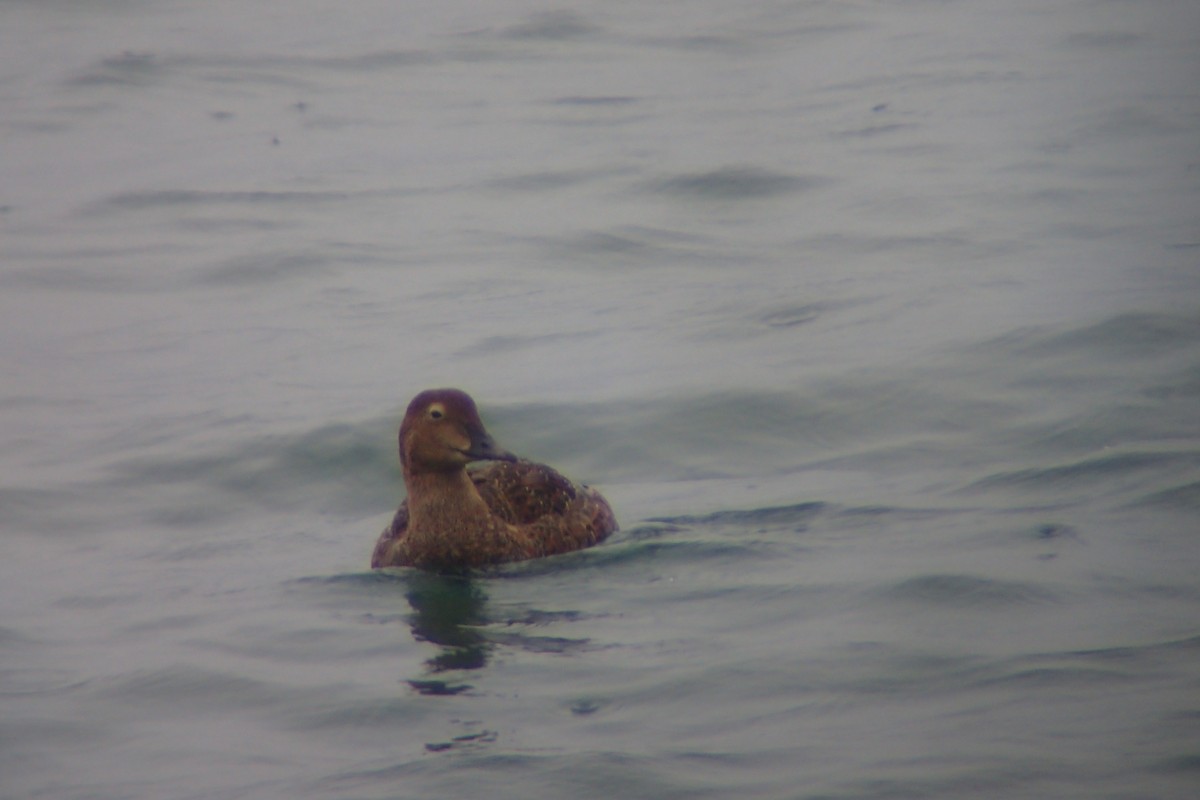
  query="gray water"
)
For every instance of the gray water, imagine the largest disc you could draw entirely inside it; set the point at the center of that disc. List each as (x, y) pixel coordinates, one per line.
(878, 323)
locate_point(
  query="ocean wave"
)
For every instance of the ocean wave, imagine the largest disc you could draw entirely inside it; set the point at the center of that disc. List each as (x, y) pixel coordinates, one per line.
(969, 591)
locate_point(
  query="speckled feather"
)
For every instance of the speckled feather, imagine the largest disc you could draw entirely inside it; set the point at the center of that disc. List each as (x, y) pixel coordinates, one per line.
(506, 509)
(559, 515)
(554, 514)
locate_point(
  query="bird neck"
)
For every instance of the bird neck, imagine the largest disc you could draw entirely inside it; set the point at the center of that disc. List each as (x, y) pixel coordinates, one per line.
(444, 497)
(450, 524)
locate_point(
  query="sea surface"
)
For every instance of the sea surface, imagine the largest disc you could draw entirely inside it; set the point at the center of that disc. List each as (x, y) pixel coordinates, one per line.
(878, 323)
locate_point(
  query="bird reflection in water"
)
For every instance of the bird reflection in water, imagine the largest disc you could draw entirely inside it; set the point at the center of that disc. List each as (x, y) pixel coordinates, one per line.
(448, 611)
(451, 611)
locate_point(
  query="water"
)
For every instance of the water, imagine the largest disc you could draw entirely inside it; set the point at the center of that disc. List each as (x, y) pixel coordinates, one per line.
(877, 323)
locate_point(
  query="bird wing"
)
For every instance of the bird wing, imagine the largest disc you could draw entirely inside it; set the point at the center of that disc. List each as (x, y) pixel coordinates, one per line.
(521, 492)
(554, 514)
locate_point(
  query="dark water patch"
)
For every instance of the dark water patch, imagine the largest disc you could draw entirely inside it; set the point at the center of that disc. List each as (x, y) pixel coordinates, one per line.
(518, 773)
(870, 668)
(643, 532)
(376, 714)
(951, 777)
(632, 245)
(432, 605)
(509, 343)
(596, 100)
(541, 181)
(627, 775)
(616, 244)
(449, 612)
(1188, 646)
(458, 742)
(436, 688)
(1056, 678)
(694, 437)
(455, 613)
(875, 513)
(609, 557)
(371, 618)
(265, 268)
(591, 117)
(282, 72)
(97, 601)
(546, 645)
(219, 225)
(879, 669)
(872, 131)
(357, 583)
(164, 624)
(1183, 385)
(1100, 427)
(372, 61)
(898, 83)
(1188, 764)
(752, 37)
(553, 26)
(1130, 335)
(837, 245)
(198, 690)
(797, 516)
(735, 183)
(1087, 669)
(968, 591)
(1088, 471)
(340, 468)
(537, 617)
(1149, 592)
(312, 645)
(707, 43)
(1128, 123)
(1184, 497)
(44, 511)
(587, 705)
(12, 637)
(192, 513)
(126, 69)
(731, 434)
(1083, 669)
(15, 682)
(793, 316)
(22, 734)
(196, 550)
(1188, 717)
(195, 199)
(59, 277)
(586, 776)
(1054, 530)
(1101, 40)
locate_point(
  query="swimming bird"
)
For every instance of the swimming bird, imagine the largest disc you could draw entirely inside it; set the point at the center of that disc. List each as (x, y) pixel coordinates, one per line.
(508, 509)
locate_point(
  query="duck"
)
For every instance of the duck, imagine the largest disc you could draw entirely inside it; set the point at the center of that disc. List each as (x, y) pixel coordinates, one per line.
(471, 504)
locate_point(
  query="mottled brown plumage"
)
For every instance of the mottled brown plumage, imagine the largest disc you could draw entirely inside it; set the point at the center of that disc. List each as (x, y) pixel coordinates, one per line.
(508, 509)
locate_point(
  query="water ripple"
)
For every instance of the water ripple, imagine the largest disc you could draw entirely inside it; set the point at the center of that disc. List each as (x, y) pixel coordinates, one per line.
(958, 591)
(1089, 470)
(776, 515)
(736, 183)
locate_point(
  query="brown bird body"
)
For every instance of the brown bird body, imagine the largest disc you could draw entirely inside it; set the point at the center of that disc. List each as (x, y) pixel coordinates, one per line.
(508, 509)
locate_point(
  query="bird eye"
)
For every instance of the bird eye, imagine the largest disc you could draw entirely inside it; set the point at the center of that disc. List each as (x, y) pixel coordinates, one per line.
(435, 413)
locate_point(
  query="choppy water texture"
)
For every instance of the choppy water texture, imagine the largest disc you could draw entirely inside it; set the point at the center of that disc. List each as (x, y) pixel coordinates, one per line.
(878, 323)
